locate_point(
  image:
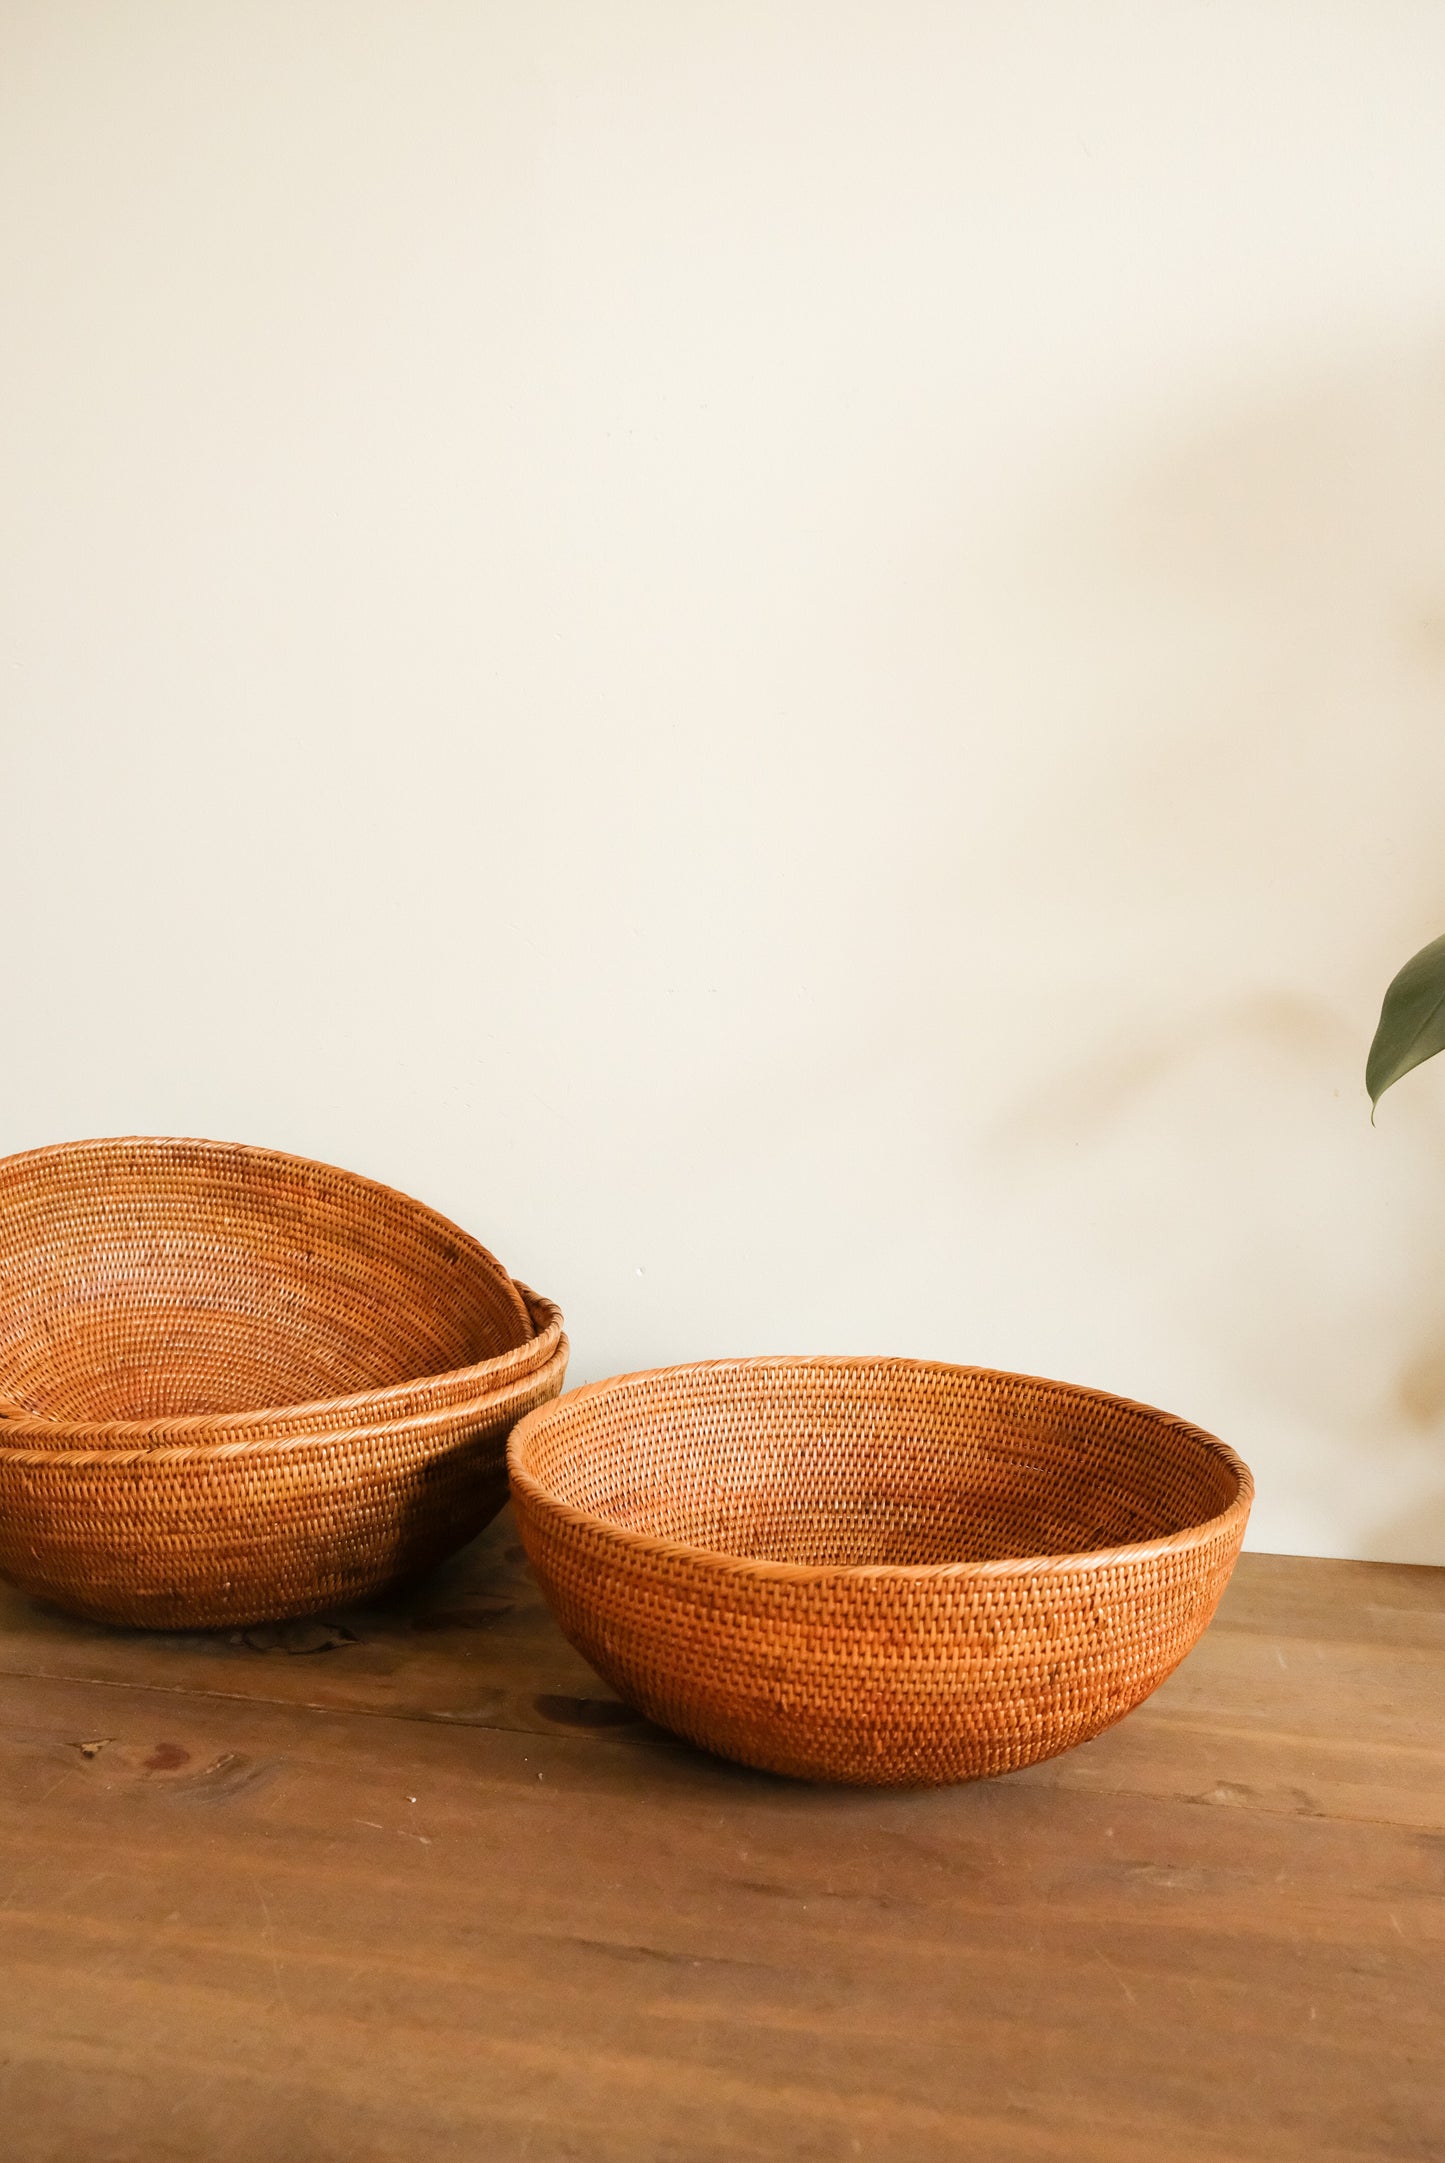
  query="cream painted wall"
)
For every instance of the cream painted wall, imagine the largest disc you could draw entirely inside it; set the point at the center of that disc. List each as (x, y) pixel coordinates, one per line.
(792, 656)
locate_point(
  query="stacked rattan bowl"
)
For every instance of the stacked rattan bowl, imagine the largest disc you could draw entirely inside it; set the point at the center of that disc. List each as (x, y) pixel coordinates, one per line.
(875, 1571)
(238, 1386)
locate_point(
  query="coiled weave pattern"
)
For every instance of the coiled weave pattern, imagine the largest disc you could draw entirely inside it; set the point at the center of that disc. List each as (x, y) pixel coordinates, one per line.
(145, 1279)
(371, 1408)
(876, 1571)
(200, 1535)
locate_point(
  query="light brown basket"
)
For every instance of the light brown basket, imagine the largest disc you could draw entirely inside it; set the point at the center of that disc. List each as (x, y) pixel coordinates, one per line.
(436, 1393)
(876, 1571)
(188, 1535)
(145, 1279)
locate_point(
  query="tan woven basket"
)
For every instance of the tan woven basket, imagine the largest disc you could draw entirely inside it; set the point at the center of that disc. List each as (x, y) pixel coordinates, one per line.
(188, 1535)
(436, 1393)
(147, 1279)
(876, 1571)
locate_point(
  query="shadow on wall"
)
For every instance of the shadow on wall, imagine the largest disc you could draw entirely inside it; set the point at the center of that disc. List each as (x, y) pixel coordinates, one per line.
(1242, 843)
(1098, 1094)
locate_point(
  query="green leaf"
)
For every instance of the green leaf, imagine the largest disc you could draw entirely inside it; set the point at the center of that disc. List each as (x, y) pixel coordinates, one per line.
(1412, 1020)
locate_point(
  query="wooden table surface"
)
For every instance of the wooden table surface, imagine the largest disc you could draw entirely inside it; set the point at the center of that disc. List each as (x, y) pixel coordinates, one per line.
(411, 1884)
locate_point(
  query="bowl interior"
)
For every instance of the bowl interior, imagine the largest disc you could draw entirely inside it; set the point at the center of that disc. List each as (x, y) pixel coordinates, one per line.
(143, 1279)
(841, 1463)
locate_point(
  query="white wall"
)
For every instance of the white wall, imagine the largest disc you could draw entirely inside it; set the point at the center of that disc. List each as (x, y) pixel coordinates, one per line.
(792, 656)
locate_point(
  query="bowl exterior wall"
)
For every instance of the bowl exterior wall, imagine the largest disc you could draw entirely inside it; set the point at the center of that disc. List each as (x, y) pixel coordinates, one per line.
(197, 1537)
(876, 1678)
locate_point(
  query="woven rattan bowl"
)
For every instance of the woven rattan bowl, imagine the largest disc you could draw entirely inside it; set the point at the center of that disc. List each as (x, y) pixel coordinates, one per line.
(875, 1571)
(144, 1280)
(200, 1535)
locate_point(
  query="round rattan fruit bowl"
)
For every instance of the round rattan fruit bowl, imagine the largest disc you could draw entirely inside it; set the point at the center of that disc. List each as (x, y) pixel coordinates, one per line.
(204, 1534)
(147, 1279)
(876, 1571)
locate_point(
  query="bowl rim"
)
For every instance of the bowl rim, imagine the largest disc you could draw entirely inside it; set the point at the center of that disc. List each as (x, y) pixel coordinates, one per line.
(1207, 1531)
(504, 1371)
(193, 1450)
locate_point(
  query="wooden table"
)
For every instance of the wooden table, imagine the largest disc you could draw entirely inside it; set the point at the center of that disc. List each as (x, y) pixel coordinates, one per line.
(410, 1884)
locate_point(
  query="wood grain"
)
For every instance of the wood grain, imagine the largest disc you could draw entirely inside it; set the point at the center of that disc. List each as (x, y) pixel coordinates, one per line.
(415, 1885)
